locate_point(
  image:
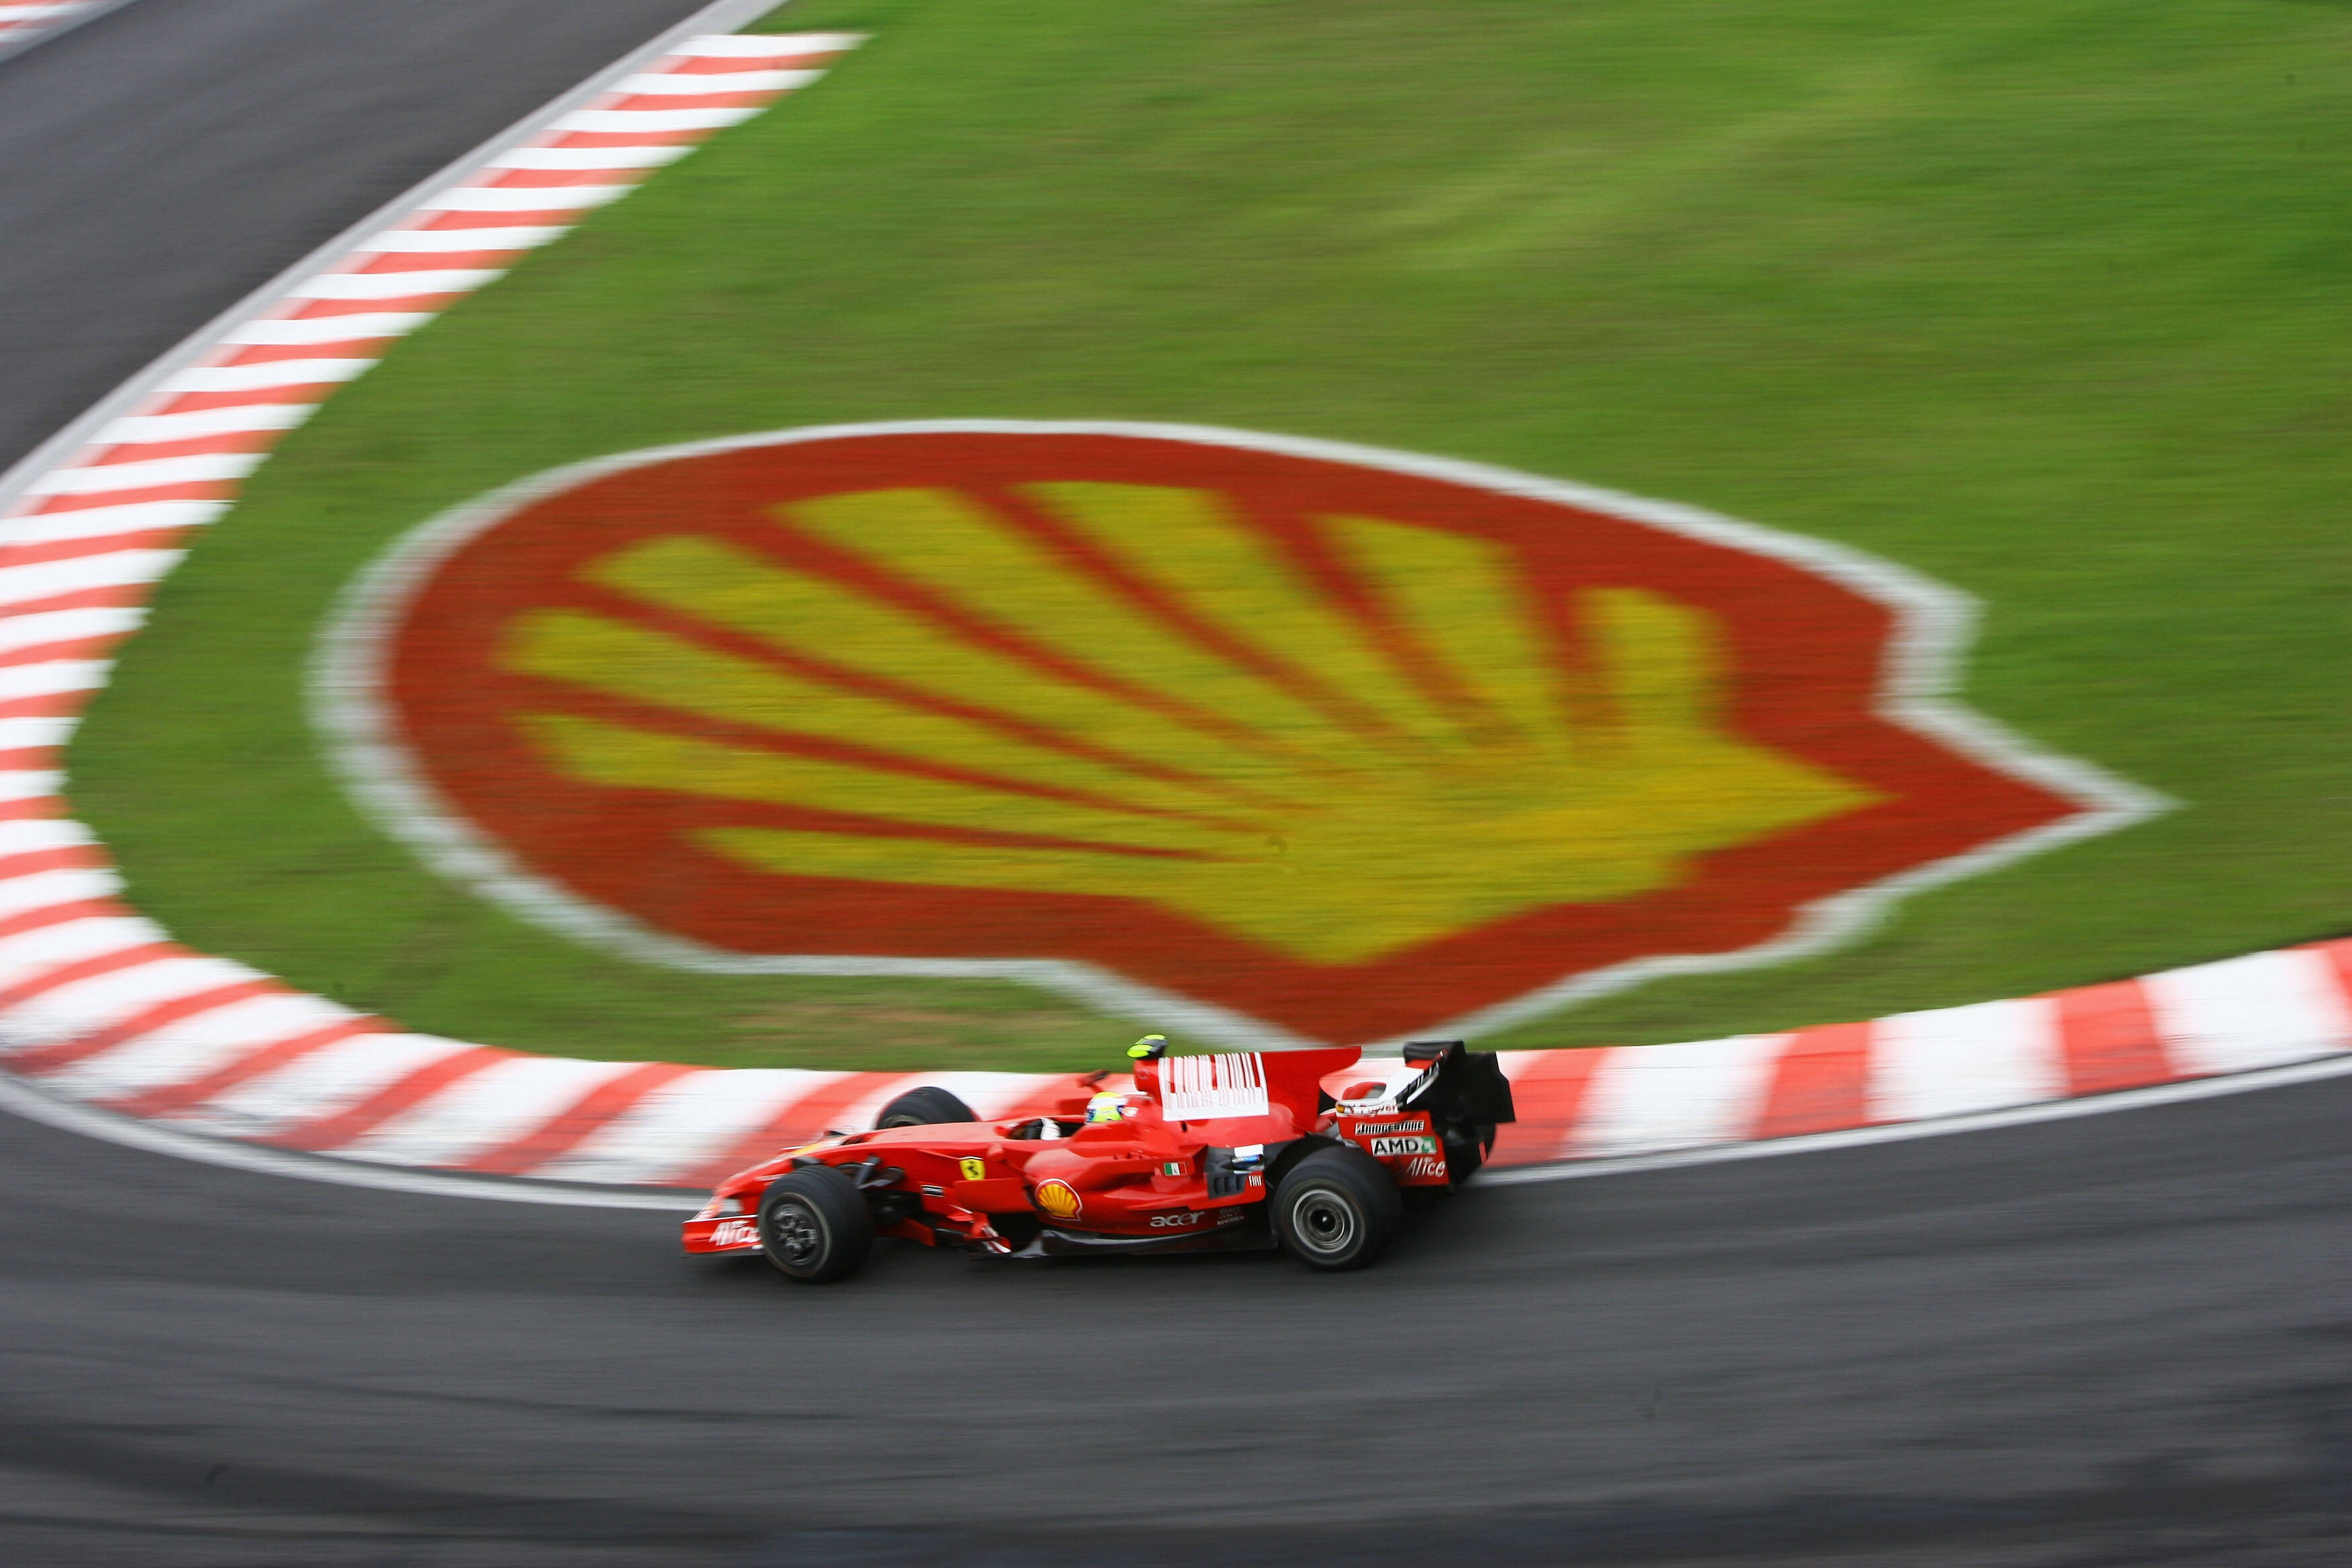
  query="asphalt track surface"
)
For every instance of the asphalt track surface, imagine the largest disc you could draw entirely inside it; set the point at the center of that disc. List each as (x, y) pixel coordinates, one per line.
(2118, 1339)
(162, 160)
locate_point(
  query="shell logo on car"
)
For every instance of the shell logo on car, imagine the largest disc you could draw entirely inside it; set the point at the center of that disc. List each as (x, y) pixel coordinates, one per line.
(1060, 1199)
(1342, 743)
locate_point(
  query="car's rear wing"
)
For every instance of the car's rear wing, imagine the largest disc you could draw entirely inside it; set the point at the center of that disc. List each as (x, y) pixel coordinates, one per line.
(1459, 1086)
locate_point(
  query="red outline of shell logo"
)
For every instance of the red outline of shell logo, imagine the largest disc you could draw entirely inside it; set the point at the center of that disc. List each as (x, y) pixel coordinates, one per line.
(1274, 739)
(1060, 1199)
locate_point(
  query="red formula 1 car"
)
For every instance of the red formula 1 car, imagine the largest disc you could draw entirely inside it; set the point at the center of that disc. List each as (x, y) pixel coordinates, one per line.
(1203, 1153)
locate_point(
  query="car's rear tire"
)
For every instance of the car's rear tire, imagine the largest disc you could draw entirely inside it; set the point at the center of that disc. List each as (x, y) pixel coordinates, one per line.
(813, 1225)
(924, 1108)
(1336, 1209)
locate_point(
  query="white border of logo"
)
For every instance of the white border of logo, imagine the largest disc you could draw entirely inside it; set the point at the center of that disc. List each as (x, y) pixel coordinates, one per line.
(1933, 626)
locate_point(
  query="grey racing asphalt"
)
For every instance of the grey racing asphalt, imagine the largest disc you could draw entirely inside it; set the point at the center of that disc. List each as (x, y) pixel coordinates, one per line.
(2122, 1339)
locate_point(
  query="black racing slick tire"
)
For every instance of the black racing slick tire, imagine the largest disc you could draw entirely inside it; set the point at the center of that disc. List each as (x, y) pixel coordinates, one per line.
(1336, 1209)
(813, 1225)
(924, 1108)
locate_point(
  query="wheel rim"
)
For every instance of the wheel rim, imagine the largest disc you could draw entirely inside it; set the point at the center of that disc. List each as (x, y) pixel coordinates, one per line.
(1325, 1222)
(795, 1235)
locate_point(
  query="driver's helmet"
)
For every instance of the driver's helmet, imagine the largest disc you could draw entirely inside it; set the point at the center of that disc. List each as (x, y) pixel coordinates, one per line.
(1118, 1104)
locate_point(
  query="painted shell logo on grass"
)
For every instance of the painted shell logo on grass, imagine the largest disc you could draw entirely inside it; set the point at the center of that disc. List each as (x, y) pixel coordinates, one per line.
(1339, 743)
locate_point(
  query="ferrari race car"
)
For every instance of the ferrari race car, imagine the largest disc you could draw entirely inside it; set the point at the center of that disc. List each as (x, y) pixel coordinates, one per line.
(1201, 1153)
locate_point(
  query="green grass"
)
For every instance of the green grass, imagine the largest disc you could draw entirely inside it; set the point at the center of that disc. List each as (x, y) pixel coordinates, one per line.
(2045, 298)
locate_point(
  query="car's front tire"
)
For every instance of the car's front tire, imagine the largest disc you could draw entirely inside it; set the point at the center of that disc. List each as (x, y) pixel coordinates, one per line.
(1336, 1209)
(924, 1107)
(813, 1225)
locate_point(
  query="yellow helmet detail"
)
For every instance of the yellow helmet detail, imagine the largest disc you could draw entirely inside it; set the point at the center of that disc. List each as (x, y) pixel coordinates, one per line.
(1149, 1047)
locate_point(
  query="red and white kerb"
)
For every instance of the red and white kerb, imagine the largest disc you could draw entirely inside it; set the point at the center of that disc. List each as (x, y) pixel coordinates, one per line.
(21, 22)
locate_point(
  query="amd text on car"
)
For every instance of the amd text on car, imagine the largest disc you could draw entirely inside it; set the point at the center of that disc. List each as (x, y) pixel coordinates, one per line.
(1203, 1153)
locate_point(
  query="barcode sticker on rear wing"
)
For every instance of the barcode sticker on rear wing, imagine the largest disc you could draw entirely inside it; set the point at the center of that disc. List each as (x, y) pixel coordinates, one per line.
(1192, 1088)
